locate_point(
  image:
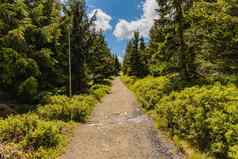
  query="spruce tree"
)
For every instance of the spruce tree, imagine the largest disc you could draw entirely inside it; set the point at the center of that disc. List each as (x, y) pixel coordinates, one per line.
(80, 39)
(173, 18)
(126, 61)
(117, 65)
(144, 65)
(34, 48)
(133, 61)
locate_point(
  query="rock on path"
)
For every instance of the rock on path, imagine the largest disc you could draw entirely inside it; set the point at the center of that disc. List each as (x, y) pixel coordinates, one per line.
(119, 130)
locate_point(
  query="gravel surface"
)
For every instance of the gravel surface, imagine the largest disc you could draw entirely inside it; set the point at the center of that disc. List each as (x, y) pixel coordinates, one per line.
(119, 130)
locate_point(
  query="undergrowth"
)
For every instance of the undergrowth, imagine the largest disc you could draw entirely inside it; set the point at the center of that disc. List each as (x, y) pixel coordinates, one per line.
(43, 133)
(203, 115)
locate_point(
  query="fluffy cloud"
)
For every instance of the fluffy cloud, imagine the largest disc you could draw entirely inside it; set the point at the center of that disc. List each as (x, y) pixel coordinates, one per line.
(103, 20)
(125, 29)
(120, 59)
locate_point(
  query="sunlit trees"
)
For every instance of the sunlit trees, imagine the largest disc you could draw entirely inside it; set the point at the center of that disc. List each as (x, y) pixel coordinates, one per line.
(34, 48)
(192, 38)
(30, 31)
(134, 64)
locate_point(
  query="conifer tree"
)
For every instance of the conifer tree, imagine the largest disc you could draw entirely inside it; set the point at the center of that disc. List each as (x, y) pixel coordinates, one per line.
(125, 67)
(34, 48)
(173, 20)
(80, 39)
(117, 65)
(133, 61)
(29, 37)
(193, 38)
(144, 65)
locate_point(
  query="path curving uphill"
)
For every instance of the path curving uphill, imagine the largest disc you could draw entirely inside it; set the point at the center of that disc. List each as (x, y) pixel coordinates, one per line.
(119, 130)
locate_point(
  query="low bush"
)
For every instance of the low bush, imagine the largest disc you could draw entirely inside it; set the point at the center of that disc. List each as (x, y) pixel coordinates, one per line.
(28, 88)
(42, 133)
(129, 81)
(77, 108)
(206, 116)
(98, 91)
(224, 79)
(150, 90)
(12, 151)
(189, 151)
(29, 135)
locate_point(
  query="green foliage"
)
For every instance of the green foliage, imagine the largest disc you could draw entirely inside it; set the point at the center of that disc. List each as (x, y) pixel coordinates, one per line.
(117, 65)
(34, 46)
(129, 81)
(193, 38)
(196, 41)
(9, 151)
(42, 133)
(29, 136)
(134, 60)
(189, 151)
(198, 155)
(25, 53)
(12, 61)
(99, 91)
(28, 88)
(77, 108)
(205, 116)
(150, 90)
(102, 63)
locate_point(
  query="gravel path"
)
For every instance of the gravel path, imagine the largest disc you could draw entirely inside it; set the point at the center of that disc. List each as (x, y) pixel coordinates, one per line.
(119, 130)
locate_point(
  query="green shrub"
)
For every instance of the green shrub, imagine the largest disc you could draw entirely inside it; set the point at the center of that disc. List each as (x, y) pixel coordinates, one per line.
(46, 135)
(233, 152)
(206, 116)
(29, 135)
(15, 128)
(12, 151)
(157, 70)
(41, 134)
(99, 91)
(150, 90)
(224, 79)
(28, 88)
(58, 100)
(77, 108)
(129, 81)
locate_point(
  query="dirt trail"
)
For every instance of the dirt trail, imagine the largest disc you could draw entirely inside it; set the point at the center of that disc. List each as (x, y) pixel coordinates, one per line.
(119, 130)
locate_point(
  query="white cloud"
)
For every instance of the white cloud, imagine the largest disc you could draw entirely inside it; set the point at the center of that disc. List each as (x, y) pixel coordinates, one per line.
(120, 59)
(125, 29)
(103, 20)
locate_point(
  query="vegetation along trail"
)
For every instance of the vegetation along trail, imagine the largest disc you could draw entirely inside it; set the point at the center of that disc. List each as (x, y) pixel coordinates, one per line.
(119, 130)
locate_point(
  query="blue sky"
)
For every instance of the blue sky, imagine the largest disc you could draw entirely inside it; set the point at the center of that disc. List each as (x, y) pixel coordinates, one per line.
(120, 18)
